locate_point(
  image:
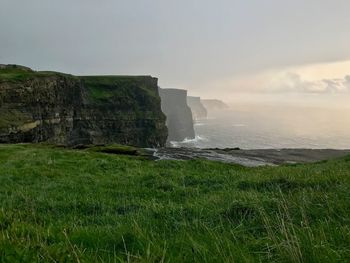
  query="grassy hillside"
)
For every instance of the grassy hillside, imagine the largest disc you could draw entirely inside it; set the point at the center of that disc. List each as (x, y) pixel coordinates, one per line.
(60, 205)
(20, 73)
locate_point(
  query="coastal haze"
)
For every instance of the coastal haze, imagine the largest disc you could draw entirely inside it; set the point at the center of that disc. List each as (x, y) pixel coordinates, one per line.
(266, 126)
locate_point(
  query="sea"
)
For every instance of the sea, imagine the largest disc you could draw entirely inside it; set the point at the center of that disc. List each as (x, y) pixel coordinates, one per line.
(272, 127)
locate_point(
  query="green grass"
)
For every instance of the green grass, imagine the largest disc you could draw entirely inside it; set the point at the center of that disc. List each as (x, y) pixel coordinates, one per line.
(102, 88)
(115, 149)
(16, 74)
(60, 205)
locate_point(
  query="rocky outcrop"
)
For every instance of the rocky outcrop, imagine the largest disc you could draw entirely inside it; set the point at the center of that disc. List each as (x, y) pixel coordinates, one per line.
(197, 108)
(179, 116)
(64, 109)
(213, 104)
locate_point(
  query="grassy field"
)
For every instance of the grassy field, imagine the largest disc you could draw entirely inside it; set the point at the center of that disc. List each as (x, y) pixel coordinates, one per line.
(60, 205)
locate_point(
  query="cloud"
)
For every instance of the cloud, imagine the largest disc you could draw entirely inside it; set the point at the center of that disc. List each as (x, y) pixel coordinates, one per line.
(294, 83)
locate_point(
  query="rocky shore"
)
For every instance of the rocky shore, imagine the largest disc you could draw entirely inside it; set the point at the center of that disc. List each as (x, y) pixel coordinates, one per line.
(251, 158)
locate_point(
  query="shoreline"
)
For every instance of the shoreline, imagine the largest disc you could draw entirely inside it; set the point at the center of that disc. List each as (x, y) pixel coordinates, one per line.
(251, 158)
(247, 158)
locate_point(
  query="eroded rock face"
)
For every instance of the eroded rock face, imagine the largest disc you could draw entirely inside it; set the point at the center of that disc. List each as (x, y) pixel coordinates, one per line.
(125, 110)
(69, 110)
(179, 116)
(197, 108)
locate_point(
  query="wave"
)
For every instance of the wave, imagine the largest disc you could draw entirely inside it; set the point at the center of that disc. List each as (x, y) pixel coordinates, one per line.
(199, 124)
(188, 141)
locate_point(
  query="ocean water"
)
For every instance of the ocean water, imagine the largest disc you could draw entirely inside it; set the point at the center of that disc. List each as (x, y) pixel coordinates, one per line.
(264, 127)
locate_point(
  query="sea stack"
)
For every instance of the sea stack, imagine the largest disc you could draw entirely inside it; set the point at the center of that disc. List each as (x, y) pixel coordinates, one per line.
(178, 113)
(197, 108)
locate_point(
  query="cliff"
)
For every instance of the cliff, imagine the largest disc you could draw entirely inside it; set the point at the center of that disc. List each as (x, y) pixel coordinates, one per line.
(64, 109)
(197, 108)
(214, 104)
(179, 117)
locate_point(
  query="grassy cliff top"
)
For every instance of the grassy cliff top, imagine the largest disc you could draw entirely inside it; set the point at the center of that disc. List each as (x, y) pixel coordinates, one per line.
(108, 86)
(100, 88)
(15, 73)
(109, 79)
(87, 206)
(20, 73)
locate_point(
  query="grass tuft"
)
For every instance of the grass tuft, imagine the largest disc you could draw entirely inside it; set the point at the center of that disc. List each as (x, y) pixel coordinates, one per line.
(106, 204)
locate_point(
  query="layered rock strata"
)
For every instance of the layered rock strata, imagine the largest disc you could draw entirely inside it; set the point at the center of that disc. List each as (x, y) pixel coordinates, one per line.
(64, 109)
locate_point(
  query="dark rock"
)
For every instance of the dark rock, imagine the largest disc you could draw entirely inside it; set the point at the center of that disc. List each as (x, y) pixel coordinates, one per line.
(197, 108)
(64, 109)
(251, 158)
(179, 117)
(225, 149)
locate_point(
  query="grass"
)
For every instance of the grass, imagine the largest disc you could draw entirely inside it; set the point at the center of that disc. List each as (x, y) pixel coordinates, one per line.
(103, 88)
(17, 74)
(61, 205)
(115, 149)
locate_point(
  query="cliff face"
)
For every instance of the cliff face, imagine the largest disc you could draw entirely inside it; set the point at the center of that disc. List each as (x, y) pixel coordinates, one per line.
(197, 108)
(214, 104)
(64, 109)
(179, 116)
(124, 109)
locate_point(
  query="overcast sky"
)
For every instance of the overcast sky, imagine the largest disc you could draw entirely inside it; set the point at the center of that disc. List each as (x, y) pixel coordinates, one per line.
(213, 48)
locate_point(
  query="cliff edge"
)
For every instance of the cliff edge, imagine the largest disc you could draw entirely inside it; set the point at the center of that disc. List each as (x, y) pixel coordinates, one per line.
(197, 108)
(65, 109)
(213, 104)
(178, 114)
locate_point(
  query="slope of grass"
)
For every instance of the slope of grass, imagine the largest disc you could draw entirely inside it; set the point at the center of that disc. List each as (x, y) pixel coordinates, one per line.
(60, 205)
(17, 74)
(102, 88)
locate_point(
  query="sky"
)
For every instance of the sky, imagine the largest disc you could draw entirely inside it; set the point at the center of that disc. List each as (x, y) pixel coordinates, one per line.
(233, 50)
